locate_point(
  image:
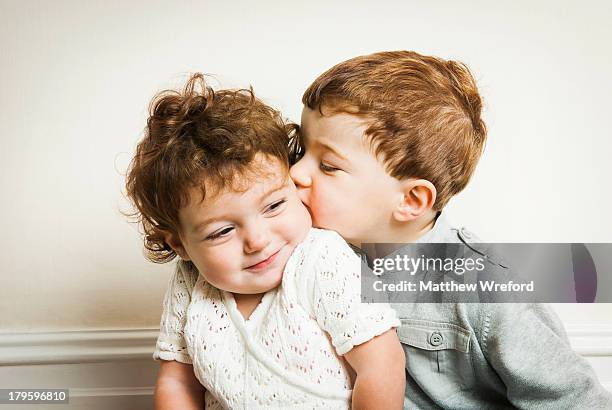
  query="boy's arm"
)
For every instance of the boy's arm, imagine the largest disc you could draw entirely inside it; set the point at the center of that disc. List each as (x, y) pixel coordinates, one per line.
(528, 348)
(379, 365)
(177, 387)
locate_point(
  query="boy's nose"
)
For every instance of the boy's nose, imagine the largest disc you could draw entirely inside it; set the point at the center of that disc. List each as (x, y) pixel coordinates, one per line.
(256, 239)
(299, 174)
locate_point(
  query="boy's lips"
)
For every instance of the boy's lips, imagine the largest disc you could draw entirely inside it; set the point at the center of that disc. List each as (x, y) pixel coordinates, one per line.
(309, 210)
(264, 263)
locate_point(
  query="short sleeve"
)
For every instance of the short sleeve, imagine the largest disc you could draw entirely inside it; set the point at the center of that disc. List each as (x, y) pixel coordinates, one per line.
(337, 296)
(171, 344)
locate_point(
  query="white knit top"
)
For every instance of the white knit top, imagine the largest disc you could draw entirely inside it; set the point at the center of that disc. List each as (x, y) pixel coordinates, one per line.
(286, 355)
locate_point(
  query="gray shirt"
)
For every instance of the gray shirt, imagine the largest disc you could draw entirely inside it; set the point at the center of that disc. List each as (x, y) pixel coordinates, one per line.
(491, 355)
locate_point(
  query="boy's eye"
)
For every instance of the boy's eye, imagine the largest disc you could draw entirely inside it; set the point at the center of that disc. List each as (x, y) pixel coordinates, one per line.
(327, 168)
(220, 233)
(275, 206)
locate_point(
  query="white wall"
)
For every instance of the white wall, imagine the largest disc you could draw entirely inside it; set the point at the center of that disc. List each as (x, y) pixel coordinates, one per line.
(77, 77)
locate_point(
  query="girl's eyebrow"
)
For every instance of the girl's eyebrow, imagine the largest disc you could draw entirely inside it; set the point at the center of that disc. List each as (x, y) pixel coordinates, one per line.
(200, 225)
(273, 190)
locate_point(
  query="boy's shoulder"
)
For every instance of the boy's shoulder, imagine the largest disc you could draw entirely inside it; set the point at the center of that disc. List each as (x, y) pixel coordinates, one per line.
(444, 231)
(463, 320)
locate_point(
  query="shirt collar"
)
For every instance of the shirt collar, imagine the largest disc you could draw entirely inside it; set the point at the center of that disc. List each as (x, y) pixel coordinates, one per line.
(439, 232)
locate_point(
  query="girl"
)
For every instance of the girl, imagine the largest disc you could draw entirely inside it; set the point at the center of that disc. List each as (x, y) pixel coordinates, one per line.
(263, 310)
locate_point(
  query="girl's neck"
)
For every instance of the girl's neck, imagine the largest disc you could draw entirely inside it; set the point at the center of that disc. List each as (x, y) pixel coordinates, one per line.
(246, 304)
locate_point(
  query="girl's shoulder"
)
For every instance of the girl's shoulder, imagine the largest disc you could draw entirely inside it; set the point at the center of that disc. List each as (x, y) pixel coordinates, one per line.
(186, 274)
(322, 256)
(320, 247)
(322, 240)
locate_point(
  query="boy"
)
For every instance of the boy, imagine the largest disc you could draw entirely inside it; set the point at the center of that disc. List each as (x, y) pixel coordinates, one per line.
(389, 138)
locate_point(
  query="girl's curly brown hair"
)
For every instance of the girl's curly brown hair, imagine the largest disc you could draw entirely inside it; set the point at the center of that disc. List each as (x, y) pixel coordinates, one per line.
(198, 137)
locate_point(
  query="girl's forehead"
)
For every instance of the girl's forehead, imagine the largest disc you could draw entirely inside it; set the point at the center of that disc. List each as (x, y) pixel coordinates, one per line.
(251, 185)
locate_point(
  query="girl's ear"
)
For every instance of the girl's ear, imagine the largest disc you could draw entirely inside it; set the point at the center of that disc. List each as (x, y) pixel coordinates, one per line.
(176, 244)
(418, 197)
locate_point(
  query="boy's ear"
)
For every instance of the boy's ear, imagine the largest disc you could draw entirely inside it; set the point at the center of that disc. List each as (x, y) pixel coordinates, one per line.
(418, 197)
(176, 244)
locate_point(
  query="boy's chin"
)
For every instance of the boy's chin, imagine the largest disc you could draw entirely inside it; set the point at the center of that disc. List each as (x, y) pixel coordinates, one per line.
(323, 225)
(332, 228)
(315, 224)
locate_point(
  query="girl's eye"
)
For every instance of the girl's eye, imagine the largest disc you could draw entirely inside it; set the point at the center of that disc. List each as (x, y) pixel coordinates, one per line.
(276, 206)
(220, 233)
(327, 168)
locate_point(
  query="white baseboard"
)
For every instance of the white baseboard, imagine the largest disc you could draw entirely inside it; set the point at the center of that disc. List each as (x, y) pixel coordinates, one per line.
(590, 340)
(111, 391)
(114, 368)
(84, 346)
(102, 369)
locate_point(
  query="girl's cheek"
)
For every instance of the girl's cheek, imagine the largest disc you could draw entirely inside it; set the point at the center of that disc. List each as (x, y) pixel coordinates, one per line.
(218, 264)
(320, 214)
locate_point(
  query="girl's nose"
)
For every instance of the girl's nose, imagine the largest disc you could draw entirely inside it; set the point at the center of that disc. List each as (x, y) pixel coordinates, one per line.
(256, 239)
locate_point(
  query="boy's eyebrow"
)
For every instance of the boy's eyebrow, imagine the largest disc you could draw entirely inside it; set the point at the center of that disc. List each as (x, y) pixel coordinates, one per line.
(334, 150)
(325, 145)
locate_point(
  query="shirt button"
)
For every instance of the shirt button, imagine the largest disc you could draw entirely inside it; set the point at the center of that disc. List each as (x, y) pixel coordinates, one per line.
(466, 233)
(436, 339)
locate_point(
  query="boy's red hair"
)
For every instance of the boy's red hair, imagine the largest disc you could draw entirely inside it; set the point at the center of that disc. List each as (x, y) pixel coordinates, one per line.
(424, 114)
